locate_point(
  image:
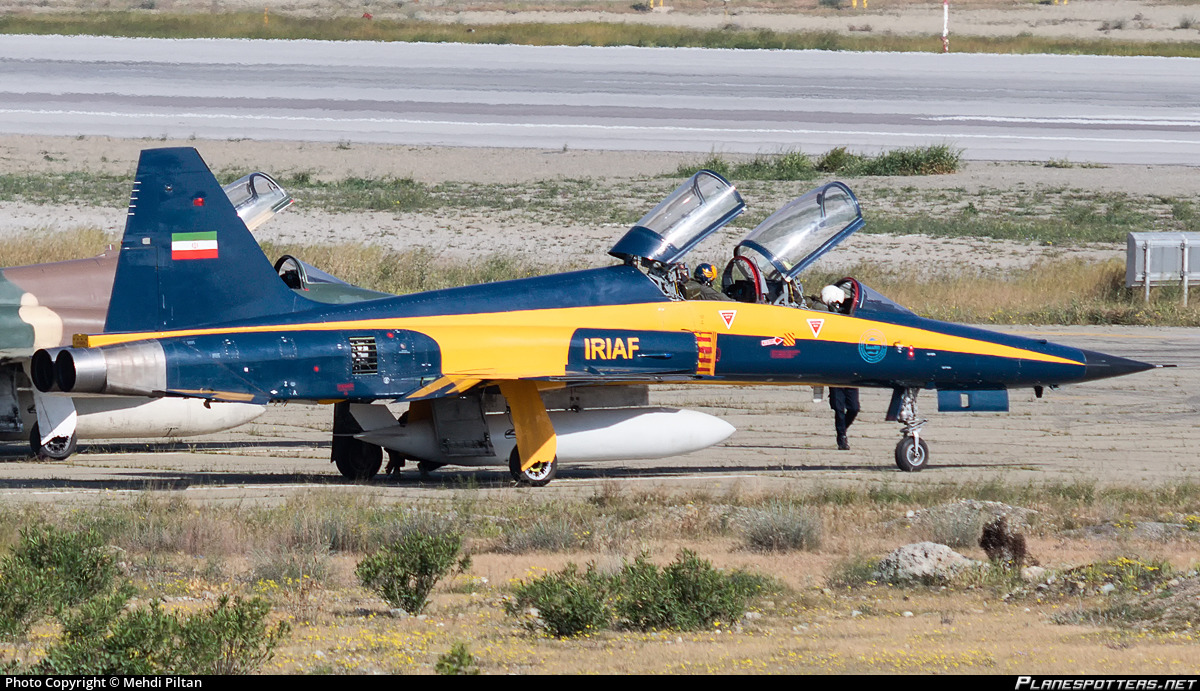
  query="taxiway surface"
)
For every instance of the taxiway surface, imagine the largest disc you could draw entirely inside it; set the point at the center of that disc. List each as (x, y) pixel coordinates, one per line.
(1139, 429)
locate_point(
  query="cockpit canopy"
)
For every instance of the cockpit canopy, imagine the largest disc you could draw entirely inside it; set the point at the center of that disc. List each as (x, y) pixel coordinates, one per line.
(257, 197)
(691, 213)
(796, 235)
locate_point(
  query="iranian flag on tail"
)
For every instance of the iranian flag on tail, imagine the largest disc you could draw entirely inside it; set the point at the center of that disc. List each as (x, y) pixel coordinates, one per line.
(194, 245)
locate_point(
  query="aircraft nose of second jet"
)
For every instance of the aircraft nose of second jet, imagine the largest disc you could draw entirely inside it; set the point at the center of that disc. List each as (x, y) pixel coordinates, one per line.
(1101, 366)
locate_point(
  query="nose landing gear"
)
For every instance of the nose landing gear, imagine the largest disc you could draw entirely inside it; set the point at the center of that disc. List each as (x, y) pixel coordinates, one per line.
(912, 453)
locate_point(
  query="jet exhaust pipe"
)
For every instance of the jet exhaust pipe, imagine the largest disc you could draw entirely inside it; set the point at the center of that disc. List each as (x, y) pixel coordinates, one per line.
(612, 434)
(83, 371)
(41, 369)
(129, 369)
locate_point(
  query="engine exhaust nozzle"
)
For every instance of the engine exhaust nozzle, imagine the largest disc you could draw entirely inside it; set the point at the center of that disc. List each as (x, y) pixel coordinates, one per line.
(41, 369)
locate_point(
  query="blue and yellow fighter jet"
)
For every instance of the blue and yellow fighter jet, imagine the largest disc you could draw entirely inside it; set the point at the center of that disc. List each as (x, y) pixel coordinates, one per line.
(531, 372)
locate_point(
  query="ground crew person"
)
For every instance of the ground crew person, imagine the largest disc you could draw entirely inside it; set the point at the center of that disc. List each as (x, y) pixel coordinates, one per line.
(843, 400)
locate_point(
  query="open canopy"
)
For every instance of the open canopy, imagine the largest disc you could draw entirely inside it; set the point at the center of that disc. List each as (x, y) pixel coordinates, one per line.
(796, 235)
(688, 215)
(257, 197)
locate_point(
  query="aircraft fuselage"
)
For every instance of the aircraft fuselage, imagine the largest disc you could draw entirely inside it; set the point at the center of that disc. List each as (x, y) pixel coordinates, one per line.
(606, 326)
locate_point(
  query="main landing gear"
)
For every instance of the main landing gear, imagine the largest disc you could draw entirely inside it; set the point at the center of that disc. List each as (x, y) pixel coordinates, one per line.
(537, 475)
(912, 453)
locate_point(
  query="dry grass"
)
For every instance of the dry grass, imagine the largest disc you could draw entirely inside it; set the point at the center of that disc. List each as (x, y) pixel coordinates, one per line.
(283, 26)
(340, 628)
(1049, 292)
(42, 246)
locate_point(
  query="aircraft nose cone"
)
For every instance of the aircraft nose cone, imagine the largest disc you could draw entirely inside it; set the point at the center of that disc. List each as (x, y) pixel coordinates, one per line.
(1101, 366)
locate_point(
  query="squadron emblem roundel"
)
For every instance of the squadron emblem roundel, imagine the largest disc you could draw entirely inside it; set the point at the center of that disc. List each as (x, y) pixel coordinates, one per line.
(872, 347)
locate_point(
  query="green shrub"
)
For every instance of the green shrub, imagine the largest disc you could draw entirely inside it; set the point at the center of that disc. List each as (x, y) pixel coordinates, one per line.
(404, 572)
(838, 160)
(104, 638)
(50, 571)
(781, 527)
(457, 661)
(568, 603)
(918, 160)
(687, 594)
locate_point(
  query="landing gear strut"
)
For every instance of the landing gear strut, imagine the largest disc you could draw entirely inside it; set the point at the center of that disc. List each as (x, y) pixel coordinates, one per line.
(912, 453)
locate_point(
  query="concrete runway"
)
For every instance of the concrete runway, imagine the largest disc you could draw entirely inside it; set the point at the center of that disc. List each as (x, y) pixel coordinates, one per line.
(1008, 107)
(1140, 429)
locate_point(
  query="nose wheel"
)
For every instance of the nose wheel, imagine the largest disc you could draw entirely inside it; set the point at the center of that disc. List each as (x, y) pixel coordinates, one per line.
(912, 453)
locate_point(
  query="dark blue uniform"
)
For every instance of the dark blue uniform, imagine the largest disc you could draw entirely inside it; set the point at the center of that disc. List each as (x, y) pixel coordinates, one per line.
(844, 402)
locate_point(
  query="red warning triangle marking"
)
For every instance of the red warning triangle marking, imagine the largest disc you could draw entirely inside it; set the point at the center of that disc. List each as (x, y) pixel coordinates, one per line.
(727, 316)
(815, 325)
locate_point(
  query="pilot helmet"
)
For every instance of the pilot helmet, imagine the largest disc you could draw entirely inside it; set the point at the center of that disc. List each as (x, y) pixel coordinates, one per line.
(706, 274)
(832, 295)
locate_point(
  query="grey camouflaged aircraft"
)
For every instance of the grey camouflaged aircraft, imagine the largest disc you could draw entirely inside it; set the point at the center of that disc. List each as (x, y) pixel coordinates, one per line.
(42, 305)
(532, 372)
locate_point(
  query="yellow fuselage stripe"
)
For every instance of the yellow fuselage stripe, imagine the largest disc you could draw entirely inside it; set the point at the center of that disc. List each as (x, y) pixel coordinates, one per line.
(534, 343)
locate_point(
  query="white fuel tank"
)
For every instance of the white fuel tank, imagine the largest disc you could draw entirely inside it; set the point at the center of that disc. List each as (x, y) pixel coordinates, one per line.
(127, 417)
(614, 434)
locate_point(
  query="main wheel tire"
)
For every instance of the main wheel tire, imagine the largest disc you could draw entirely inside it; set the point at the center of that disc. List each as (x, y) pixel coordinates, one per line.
(57, 449)
(912, 455)
(537, 475)
(427, 467)
(358, 460)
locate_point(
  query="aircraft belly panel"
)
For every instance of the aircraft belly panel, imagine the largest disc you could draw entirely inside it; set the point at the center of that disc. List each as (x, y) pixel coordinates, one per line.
(305, 365)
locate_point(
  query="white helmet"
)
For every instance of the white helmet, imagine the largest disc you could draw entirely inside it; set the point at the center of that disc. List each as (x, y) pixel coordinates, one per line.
(832, 295)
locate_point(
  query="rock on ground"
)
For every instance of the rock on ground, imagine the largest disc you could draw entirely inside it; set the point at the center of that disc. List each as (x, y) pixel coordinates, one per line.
(922, 562)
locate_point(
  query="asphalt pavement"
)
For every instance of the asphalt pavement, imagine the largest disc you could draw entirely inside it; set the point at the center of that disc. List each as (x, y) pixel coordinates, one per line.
(1007, 107)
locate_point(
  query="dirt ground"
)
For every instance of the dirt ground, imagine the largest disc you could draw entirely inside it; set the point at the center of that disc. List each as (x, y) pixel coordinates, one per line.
(471, 235)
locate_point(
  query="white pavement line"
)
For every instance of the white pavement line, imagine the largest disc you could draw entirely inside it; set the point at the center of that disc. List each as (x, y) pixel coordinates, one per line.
(164, 482)
(1128, 120)
(698, 474)
(176, 117)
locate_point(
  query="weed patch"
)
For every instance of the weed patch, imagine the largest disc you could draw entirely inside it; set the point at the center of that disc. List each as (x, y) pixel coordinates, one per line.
(457, 661)
(782, 527)
(794, 165)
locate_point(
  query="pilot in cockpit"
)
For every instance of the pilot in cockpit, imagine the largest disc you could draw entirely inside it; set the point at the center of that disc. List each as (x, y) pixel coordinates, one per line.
(837, 297)
(833, 297)
(700, 286)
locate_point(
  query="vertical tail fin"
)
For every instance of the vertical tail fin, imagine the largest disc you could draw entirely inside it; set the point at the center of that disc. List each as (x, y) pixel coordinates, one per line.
(186, 258)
